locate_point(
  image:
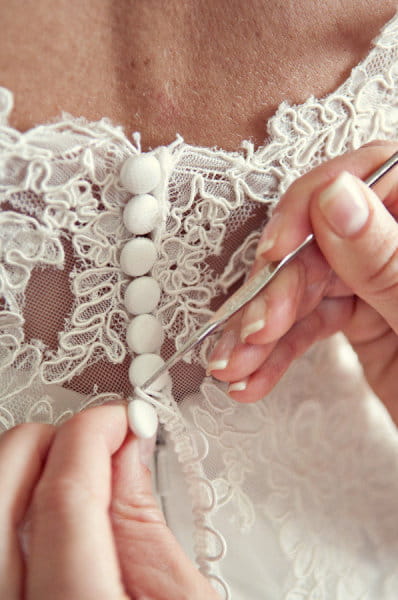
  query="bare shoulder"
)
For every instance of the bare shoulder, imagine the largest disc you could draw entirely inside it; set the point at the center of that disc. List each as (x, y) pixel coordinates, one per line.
(213, 71)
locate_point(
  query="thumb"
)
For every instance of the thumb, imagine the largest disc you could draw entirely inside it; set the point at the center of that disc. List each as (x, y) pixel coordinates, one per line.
(359, 239)
(153, 564)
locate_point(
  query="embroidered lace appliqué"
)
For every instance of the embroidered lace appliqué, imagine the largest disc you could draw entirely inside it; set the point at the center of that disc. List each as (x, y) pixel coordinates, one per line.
(306, 467)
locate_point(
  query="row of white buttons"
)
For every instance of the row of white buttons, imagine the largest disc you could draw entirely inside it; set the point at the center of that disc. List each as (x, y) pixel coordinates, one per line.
(141, 174)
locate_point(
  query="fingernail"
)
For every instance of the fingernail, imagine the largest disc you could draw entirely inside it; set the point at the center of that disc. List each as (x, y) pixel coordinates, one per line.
(269, 235)
(216, 365)
(238, 386)
(146, 449)
(253, 319)
(222, 352)
(344, 205)
(116, 403)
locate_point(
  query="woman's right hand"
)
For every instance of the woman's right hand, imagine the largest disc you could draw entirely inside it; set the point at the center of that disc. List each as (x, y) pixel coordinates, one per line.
(348, 281)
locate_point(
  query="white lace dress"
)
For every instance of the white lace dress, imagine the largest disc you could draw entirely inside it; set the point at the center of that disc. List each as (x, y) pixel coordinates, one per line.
(294, 497)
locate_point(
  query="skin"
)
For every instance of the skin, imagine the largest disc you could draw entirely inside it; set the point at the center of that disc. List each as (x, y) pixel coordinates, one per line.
(95, 530)
(343, 283)
(132, 61)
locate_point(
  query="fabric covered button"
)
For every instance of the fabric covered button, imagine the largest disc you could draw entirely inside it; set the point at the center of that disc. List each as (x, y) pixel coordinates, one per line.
(141, 173)
(144, 334)
(142, 418)
(141, 214)
(138, 256)
(143, 367)
(142, 295)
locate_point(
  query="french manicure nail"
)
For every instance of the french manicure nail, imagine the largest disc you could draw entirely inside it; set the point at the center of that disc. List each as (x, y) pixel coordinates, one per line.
(269, 235)
(119, 402)
(238, 386)
(264, 246)
(223, 350)
(216, 365)
(344, 205)
(253, 319)
(252, 328)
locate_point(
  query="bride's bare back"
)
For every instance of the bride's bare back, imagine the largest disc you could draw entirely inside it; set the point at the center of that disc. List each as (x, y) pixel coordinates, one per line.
(213, 71)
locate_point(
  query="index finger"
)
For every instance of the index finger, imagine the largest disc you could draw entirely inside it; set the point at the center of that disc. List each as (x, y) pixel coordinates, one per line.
(71, 550)
(290, 223)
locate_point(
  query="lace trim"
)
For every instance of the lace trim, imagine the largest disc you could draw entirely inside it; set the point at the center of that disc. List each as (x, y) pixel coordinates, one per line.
(61, 216)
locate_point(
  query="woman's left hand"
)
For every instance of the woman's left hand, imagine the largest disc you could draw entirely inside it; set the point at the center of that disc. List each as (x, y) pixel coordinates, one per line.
(347, 282)
(93, 528)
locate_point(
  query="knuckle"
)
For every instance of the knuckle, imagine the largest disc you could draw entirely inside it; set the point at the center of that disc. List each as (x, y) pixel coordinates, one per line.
(389, 291)
(383, 282)
(89, 418)
(316, 326)
(290, 348)
(142, 508)
(303, 335)
(60, 498)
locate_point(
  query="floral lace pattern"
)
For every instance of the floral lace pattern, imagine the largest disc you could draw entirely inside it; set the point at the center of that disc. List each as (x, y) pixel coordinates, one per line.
(324, 484)
(293, 462)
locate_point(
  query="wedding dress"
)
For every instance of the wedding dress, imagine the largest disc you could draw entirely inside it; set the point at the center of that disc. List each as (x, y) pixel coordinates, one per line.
(294, 497)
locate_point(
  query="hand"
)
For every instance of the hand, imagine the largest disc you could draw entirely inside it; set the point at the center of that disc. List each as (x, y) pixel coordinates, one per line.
(94, 529)
(348, 281)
